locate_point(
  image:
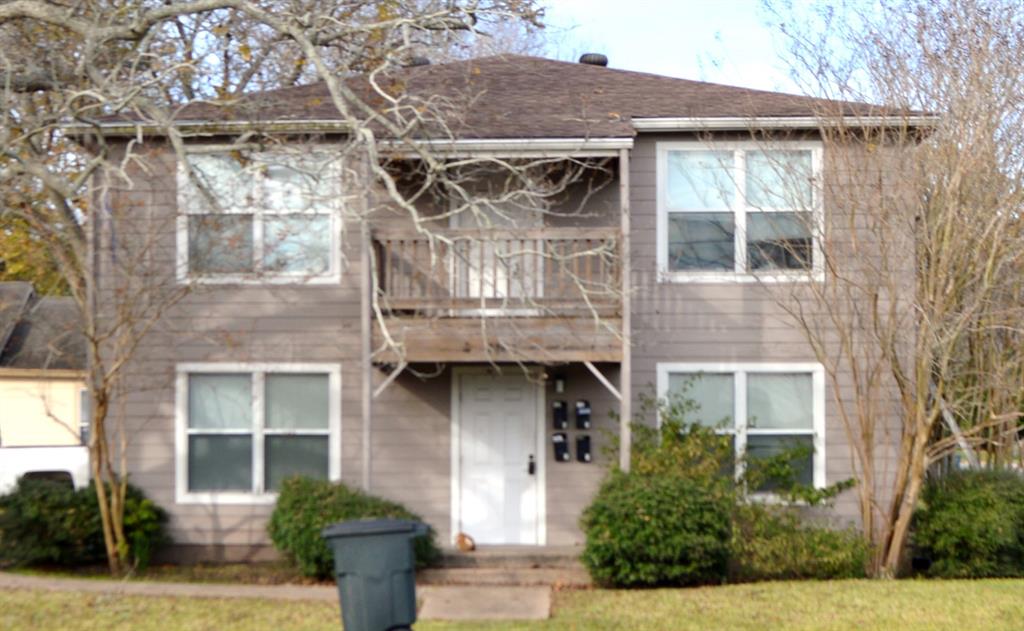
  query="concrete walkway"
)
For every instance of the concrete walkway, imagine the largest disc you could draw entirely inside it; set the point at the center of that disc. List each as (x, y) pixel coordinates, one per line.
(439, 602)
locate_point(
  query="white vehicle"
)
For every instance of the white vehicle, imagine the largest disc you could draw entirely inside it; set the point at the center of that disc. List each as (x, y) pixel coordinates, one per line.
(69, 463)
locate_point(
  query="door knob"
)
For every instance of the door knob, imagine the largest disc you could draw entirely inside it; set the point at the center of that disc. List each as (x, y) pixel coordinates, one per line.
(531, 468)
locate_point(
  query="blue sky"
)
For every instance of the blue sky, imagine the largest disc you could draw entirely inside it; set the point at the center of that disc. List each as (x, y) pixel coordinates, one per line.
(725, 41)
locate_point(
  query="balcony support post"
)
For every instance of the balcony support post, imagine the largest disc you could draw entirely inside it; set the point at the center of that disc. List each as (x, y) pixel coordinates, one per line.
(604, 380)
(626, 366)
(390, 378)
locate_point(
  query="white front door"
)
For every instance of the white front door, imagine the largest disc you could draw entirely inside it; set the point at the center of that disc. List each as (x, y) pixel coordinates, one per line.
(498, 498)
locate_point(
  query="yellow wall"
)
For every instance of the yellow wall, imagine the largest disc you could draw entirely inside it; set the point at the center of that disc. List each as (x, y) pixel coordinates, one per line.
(38, 412)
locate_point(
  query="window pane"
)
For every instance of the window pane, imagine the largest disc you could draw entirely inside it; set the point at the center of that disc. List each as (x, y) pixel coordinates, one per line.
(219, 463)
(297, 243)
(779, 240)
(768, 446)
(701, 241)
(780, 401)
(294, 455)
(711, 393)
(700, 180)
(220, 401)
(297, 401)
(224, 178)
(300, 184)
(779, 179)
(219, 244)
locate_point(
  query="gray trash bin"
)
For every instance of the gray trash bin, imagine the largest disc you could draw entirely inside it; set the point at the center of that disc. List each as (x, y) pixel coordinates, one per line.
(375, 568)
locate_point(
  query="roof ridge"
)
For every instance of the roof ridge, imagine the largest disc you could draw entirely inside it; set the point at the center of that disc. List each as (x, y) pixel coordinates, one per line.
(424, 69)
(637, 73)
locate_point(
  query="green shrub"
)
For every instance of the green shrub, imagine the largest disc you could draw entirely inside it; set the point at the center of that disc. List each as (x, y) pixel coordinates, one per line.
(776, 543)
(971, 524)
(680, 517)
(305, 506)
(48, 522)
(647, 530)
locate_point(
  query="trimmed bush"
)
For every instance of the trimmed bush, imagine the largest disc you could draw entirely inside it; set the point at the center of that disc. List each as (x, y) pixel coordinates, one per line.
(776, 543)
(305, 506)
(680, 518)
(971, 524)
(44, 522)
(656, 530)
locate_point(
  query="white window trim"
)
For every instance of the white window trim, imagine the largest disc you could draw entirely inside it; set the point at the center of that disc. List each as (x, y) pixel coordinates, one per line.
(259, 370)
(740, 210)
(740, 371)
(331, 277)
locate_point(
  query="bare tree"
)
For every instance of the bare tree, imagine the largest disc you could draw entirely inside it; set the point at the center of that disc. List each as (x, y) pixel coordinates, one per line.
(68, 68)
(916, 313)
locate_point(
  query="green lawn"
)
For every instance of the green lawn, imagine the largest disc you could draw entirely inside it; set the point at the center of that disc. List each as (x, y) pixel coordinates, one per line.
(902, 605)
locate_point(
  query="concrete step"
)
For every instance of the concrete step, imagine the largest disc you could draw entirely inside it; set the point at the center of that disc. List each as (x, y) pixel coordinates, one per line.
(514, 557)
(523, 577)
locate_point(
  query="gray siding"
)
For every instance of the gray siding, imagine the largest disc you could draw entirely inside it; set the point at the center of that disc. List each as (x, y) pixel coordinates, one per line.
(724, 322)
(411, 439)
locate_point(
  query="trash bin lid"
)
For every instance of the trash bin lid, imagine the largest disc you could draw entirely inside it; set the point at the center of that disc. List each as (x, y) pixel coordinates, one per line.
(373, 527)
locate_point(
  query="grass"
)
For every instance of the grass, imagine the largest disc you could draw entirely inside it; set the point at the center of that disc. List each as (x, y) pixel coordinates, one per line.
(909, 605)
(267, 573)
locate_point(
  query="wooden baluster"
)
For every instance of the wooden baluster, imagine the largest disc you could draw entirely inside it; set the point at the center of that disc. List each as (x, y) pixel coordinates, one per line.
(560, 279)
(577, 278)
(388, 272)
(589, 264)
(539, 269)
(480, 272)
(414, 269)
(437, 271)
(512, 263)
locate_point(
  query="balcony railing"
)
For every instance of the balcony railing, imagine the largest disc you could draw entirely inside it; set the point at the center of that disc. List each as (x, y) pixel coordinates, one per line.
(529, 272)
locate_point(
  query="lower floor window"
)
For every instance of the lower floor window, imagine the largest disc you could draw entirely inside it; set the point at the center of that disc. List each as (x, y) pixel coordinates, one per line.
(767, 408)
(243, 429)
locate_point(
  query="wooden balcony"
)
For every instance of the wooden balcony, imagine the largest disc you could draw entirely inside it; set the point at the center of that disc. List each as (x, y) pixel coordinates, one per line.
(551, 294)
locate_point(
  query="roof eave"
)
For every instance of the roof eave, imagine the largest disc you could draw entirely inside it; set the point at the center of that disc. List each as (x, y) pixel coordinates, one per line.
(62, 374)
(451, 147)
(746, 123)
(205, 128)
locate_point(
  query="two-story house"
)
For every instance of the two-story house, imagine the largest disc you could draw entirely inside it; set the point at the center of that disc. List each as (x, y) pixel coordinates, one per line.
(474, 364)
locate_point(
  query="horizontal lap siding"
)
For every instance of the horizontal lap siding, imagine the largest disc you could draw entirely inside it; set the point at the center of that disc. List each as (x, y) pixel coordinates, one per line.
(725, 322)
(411, 448)
(411, 440)
(571, 485)
(224, 323)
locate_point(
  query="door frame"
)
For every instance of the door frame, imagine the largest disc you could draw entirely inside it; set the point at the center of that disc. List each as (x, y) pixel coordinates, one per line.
(540, 455)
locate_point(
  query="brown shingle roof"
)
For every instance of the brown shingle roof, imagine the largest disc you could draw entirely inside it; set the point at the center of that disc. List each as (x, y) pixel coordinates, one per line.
(14, 299)
(44, 332)
(514, 96)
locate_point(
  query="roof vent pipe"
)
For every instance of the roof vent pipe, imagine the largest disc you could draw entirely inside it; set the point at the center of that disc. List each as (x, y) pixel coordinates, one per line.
(594, 59)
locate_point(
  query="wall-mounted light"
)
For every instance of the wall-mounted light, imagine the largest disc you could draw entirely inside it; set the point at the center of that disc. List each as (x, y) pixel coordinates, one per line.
(559, 384)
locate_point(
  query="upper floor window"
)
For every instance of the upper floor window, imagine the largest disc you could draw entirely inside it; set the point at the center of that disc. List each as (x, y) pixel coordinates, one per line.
(249, 218)
(738, 211)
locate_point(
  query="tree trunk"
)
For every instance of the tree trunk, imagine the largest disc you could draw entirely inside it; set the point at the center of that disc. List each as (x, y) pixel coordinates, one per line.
(111, 511)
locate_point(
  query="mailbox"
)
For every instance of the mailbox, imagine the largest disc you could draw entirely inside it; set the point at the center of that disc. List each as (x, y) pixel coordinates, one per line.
(560, 414)
(583, 448)
(583, 414)
(561, 443)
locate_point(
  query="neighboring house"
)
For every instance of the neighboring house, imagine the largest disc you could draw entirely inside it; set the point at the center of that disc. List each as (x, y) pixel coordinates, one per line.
(43, 402)
(279, 363)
